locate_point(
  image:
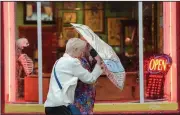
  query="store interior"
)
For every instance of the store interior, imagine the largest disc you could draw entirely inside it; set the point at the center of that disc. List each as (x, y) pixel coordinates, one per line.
(115, 22)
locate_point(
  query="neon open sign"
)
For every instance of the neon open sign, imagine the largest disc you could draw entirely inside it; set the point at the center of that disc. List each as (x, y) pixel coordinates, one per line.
(159, 64)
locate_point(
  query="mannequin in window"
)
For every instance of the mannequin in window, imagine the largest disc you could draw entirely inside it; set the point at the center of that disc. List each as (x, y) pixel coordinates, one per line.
(129, 43)
(24, 66)
(85, 93)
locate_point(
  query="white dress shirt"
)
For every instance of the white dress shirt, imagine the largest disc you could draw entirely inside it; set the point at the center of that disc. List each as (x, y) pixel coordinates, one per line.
(68, 71)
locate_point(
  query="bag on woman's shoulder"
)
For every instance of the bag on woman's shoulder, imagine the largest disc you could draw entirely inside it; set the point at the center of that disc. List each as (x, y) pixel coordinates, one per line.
(74, 110)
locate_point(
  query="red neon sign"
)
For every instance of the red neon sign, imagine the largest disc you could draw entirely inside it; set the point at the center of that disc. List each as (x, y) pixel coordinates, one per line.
(159, 64)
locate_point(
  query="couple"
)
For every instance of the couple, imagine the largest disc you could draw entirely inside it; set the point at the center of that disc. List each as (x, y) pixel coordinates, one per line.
(76, 77)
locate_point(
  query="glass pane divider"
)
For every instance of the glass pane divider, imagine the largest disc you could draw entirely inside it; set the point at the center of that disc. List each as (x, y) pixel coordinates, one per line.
(39, 33)
(141, 75)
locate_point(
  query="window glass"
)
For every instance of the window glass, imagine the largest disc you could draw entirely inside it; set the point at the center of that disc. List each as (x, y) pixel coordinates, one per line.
(118, 26)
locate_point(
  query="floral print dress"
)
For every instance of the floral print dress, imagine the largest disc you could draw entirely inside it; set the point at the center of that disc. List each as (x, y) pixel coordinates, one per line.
(85, 93)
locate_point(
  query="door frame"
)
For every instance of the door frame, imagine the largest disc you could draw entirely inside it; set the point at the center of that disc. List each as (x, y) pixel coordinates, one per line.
(2, 61)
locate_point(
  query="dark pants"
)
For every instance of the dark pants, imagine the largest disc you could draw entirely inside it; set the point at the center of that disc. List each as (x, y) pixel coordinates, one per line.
(60, 110)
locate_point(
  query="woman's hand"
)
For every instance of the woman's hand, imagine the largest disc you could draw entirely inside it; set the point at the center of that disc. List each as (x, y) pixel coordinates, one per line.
(100, 62)
(98, 59)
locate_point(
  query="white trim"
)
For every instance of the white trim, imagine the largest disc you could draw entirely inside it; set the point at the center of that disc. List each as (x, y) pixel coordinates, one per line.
(141, 72)
(39, 30)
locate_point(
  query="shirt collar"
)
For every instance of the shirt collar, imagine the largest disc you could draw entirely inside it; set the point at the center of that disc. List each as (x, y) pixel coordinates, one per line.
(66, 55)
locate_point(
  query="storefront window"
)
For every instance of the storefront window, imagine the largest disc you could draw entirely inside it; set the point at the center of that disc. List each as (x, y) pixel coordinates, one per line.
(26, 25)
(118, 26)
(25, 33)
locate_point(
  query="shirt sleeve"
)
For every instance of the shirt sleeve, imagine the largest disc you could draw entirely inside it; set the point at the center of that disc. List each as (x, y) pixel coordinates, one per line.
(84, 75)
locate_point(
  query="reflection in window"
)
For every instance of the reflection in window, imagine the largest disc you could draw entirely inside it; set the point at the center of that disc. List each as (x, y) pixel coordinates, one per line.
(120, 31)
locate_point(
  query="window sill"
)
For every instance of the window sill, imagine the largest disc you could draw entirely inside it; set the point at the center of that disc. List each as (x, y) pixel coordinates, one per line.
(138, 107)
(102, 107)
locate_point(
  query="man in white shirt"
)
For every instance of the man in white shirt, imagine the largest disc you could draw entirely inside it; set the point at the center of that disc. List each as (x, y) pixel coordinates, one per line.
(68, 70)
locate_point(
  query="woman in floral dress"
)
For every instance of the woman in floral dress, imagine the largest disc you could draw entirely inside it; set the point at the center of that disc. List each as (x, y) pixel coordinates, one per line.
(85, 93)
